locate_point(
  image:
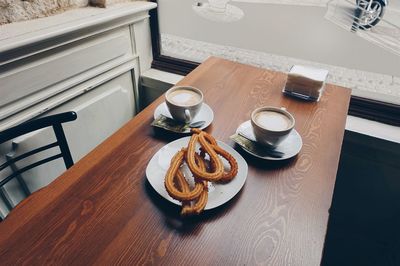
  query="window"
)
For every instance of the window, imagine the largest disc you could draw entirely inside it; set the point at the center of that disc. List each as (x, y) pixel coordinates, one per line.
(277, 34)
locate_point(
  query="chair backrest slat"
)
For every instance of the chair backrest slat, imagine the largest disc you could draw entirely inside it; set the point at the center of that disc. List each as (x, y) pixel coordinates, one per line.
(27, 154)
(54, 121)
(26, 168)
(36, 124)
(6, 199)
(62, 142)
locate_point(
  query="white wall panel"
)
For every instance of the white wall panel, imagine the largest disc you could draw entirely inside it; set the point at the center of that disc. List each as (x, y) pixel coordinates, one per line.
(46, 69)
(100, 113)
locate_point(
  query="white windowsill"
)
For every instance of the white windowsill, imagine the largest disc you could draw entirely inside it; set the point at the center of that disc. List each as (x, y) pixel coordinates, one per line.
(19, 34)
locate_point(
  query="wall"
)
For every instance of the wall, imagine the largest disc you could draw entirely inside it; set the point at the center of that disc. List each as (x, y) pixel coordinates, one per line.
(19, 10)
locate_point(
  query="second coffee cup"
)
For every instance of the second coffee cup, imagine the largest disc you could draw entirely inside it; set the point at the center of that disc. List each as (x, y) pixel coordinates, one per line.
(184, 102)
(271, 125)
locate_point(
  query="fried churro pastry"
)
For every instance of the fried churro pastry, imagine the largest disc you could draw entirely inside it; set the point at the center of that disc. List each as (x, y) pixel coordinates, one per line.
(184, 187)
(181, 182)
(207, 136)
(195, 200)
(198, 206)
(180, 178)
(196, 130)
(170, 176)
(201, 202)
(190, 159)
(227, 176)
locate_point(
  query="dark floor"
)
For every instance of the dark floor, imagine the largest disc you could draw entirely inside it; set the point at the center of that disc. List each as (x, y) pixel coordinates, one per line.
(364, 223)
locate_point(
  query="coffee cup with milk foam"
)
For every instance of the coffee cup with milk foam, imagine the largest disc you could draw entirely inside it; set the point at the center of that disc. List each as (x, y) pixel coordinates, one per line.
(184, 102)
(271, 125)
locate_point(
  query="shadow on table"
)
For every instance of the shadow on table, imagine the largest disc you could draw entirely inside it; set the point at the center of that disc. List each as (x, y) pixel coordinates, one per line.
(168, 136)
(191, 224)
(265, 164)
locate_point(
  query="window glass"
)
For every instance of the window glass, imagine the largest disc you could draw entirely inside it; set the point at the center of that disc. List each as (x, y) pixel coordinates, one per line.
(277, 34)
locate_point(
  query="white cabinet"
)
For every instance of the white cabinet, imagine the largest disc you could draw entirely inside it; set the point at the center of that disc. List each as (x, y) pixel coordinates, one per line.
(36, 78)
(89, 63)
(100, 112)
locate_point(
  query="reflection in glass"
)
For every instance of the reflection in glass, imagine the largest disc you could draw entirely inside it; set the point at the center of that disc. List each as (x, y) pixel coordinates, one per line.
(218, 11)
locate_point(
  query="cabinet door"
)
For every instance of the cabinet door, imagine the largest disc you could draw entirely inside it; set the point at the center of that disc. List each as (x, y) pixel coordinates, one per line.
(100, 111)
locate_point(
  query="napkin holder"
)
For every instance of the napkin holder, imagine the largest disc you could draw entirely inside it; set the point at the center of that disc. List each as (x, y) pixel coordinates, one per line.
(305, 82)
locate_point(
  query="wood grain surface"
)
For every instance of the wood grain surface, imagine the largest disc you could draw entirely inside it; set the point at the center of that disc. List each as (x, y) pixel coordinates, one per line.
(103, 211)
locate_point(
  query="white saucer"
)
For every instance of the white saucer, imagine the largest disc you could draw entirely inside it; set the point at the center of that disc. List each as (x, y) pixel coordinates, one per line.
(218, 194)
(290, 147)
(205, 114)
(230, 14)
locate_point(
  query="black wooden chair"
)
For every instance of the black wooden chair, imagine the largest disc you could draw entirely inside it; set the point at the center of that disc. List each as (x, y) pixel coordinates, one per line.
(54, 121)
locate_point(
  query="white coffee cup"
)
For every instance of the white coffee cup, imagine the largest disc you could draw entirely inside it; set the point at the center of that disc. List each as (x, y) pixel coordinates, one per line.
(184, 102)
(271, 125)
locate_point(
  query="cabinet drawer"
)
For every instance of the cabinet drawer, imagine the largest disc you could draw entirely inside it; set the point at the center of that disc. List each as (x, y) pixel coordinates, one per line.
(41, 71)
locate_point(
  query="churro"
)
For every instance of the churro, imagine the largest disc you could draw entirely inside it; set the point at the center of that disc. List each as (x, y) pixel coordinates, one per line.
(174, 171)
(218, 168)
(195, 200)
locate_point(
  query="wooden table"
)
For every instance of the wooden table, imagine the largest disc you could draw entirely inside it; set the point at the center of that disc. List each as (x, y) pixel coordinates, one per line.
(103, 210)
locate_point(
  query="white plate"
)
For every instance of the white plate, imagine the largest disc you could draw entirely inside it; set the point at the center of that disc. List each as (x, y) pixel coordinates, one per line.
(290, 147)
(218, 193)
(205, 114)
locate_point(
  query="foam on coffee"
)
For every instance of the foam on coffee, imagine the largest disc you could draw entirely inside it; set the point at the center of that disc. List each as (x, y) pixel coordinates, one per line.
(184, 97)
(271, 120)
